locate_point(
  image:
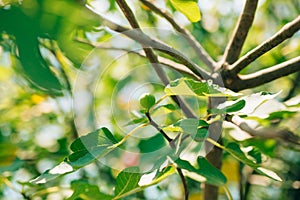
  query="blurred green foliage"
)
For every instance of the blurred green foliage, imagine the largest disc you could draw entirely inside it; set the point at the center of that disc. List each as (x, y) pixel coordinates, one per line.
(41, 94)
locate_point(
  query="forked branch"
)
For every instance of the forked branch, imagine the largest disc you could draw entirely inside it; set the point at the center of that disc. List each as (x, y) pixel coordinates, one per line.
(200, 51)
(284, 33)
(149, 42)
(235, 45)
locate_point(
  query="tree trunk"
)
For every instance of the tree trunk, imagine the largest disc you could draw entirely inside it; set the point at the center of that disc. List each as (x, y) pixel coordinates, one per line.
(214, 154)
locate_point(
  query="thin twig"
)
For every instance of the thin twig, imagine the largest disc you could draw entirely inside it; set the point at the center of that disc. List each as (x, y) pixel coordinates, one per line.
(269, 74)
(173, 146)
(156, 126)
(240, 33)
(184, 183)
(200, 51)
(284, 33)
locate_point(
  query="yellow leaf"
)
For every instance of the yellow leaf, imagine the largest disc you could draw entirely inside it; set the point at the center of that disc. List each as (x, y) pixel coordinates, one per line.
(189, 8)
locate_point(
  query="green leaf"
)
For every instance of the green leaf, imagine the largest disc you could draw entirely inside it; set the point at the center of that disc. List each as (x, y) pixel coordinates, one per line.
(152, 144)
(91, 146)
(34, 66)
(184, 164)
(158, 157)
(281, 115)
(85, 191)
(256, 154)
(62, 168)
(86, 149)
(236, 106)
(256, 105)
(201, 134)
(160, 176)
(131, 182)
(190, 87)
(82, 158)
(147, 101)
(213, 175)
(265, 146)
(195, 127)
(190, 124)
(127, 181)
(235, 151)
(100, 137)
(205, 172)
(189, 8)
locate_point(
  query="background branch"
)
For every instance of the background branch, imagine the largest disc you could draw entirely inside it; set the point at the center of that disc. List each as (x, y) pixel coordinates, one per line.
(235, 45)
(147, 41)
(284, 33)
(266, 133)
(200, 51)
(161, 60)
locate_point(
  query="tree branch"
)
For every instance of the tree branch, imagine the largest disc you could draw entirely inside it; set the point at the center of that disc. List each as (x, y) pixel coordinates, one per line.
(161, 60)
(152, 57)
(284, 33)
(269, 74)
(149, 53)
(200, 51)
(266, 133)
(147, 41)
(240, 33)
